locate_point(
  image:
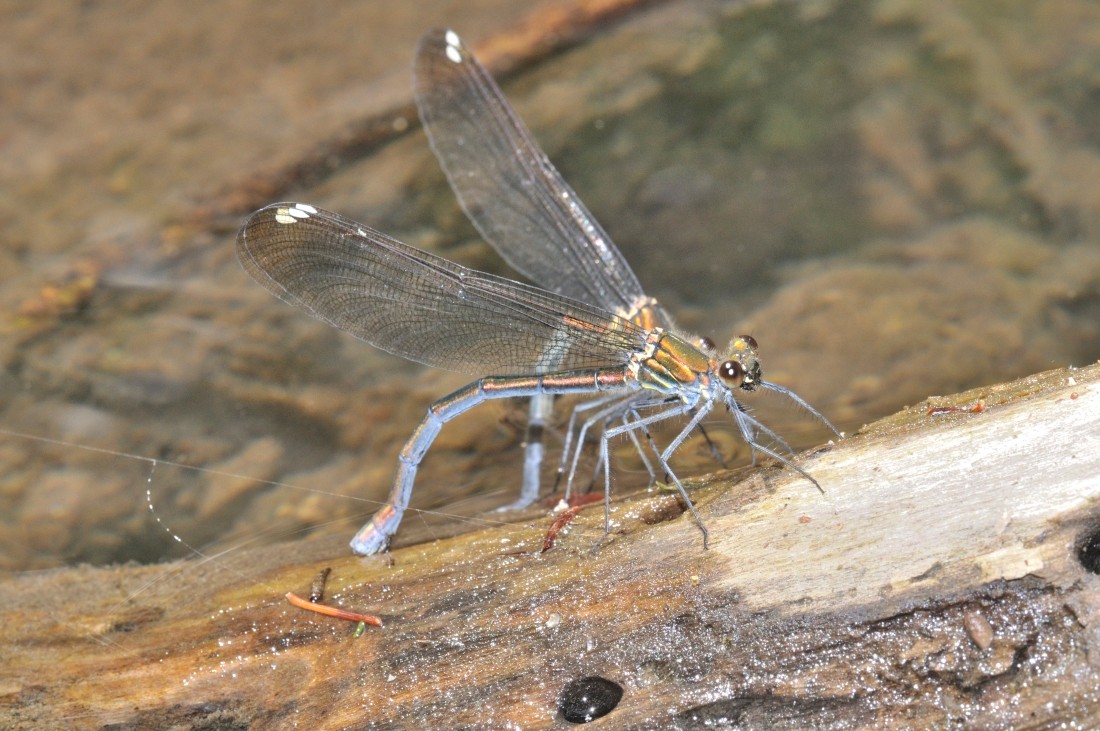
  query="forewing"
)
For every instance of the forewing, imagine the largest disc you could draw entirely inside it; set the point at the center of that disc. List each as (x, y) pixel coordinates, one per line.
(420, 306)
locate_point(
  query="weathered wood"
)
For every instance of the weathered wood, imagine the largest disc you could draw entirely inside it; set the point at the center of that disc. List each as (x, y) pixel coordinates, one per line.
(937, 582)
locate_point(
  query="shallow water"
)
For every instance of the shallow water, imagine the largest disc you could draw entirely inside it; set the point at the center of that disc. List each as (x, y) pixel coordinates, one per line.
(895, 200)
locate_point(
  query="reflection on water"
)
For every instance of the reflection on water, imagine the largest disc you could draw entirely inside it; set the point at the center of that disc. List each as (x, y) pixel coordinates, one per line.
(895, 200)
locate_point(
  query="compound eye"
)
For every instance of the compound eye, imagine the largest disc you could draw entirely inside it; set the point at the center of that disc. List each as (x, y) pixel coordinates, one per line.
(706, 344)
(748, 339)
(732, 372)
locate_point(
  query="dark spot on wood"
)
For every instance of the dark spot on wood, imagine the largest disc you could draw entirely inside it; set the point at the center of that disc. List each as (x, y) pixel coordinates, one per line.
(589, 698)
(198, 716)
(1088, 550)
(136, 618)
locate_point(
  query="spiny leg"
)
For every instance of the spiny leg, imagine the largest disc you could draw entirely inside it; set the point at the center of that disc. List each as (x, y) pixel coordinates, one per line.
(715, 453)
(629, 408)
(636, 415)
(571, 430)
(753, 426)
(608, 412)
(640, 450)
(696, 420)
(801, 402)
(746, 424)
(623, 412)
(649, 438)
(675, 411)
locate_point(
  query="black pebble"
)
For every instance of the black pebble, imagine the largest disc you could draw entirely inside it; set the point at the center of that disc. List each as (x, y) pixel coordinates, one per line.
(589, 698)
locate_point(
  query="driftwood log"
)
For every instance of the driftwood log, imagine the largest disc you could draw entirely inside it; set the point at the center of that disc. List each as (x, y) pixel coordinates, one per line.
(946, 578)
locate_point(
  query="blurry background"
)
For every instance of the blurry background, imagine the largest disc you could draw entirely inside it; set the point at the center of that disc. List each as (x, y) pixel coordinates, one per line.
(897, 198)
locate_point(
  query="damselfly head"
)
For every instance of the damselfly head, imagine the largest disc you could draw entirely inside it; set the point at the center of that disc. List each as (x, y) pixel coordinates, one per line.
(742, 368)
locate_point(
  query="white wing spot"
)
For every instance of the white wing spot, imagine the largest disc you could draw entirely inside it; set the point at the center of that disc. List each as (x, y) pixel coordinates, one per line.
(296, 213)
(454, 46)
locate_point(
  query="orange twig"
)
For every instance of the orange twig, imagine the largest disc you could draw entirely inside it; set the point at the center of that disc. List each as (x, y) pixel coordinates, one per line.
(332, 611)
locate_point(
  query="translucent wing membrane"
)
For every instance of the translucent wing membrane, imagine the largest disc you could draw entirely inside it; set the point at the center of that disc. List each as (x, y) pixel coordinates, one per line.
(420, 306)
(507, 186)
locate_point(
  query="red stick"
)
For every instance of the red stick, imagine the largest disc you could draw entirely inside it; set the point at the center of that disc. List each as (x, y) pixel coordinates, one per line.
(562, 520)
(332, 611)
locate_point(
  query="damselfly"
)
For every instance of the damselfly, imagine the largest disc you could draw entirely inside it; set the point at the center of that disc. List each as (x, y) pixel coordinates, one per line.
(591, 330)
